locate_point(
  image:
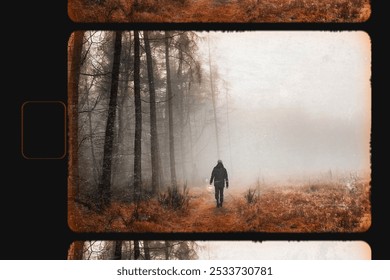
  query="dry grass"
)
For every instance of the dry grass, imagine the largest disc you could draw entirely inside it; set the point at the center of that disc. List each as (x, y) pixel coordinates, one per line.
(220, 11)
(315, 208)
(311, 208)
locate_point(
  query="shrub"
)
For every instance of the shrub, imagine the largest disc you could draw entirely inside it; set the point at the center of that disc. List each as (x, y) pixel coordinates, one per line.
(174, 199)
(251, 196)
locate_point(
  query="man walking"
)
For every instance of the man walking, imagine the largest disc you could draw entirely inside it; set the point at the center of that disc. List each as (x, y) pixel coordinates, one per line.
(219, 176)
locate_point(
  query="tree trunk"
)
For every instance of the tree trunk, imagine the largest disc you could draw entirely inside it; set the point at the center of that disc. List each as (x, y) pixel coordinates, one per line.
(118, 165)
(138, 120)
(123, 135)
(228, 129)
(137, 252)
(170, 114)
(153, 119)
(118, 250)
(105, 182)
(214, 103)
(146, 250)
(91, 142)
(194, 173)
(181, 113)
(167, 250)
(75, 51)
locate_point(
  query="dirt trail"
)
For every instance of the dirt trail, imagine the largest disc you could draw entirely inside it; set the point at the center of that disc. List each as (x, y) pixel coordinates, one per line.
(205, 216)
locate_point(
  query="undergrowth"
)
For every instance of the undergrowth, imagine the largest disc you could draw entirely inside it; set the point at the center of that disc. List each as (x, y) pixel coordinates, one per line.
(174, 199)
(308, 208)
(219, 11)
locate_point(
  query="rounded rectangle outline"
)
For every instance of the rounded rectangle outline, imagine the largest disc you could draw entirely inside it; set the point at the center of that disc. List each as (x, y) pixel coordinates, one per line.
(22, 130)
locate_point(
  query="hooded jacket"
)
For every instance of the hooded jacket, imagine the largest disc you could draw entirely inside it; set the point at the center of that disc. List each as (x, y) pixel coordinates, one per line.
(219, 176)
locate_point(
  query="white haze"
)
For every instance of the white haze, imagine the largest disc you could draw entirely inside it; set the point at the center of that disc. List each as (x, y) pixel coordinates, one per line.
(299, 104)
(284, 250)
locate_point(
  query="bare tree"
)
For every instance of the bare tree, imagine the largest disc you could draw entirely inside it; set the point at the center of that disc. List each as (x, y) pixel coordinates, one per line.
(146, 250)
(124, 123)
(118, 250)
(188, 72)
(75, 53)
(228, 125)
(91, 140)
(181, 93)
(138, 119)
(213, 98)
(167, 245)
(170, 114)
(153, 119)
(137, 251)
(104, 188)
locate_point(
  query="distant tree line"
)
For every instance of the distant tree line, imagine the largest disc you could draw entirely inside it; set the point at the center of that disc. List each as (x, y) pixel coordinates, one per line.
(133, 250)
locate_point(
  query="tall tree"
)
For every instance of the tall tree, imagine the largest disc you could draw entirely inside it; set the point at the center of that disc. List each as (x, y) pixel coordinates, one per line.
(166, 249)
(170, 113)
(95, 80)
(137, 251)
(138, 119)
(118, 250)
(213, 98)
(91, 140)
(181, 93)
(104, 189)
(122, 143)
(146, 250)
(75, 53)
(188, 71)
(153, 119)
(228, 126)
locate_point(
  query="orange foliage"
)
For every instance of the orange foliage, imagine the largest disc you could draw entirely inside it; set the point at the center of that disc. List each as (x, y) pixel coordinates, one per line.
(313, 208)
(220, 11)
(320, 208)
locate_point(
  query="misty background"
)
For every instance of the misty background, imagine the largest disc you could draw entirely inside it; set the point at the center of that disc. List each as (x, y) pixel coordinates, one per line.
(274, 106)
(283, 250)
(292, 105)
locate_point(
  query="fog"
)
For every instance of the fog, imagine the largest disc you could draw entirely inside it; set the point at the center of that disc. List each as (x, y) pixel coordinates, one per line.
(284, 250)
(290, 105)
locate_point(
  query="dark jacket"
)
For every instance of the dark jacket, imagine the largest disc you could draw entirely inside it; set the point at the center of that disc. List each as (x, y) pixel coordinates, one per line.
(219, 176)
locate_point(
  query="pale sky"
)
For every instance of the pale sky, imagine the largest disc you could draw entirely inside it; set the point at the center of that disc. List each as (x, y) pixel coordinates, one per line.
(284, 250)
(299, 101)
(324, 72)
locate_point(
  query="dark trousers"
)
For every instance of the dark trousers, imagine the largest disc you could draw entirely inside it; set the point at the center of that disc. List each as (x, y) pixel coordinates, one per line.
(219, 193)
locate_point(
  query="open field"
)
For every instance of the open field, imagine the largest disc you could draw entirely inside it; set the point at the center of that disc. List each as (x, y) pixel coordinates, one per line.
(219, 11)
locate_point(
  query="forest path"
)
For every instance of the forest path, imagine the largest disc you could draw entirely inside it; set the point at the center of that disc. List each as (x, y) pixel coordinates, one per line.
(205, 216)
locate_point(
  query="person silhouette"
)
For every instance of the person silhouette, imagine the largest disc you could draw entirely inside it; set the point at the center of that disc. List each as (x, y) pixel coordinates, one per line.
(219, 176)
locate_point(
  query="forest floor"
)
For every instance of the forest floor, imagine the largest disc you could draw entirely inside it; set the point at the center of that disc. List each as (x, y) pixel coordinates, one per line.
(310, 208)
(221, 11)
